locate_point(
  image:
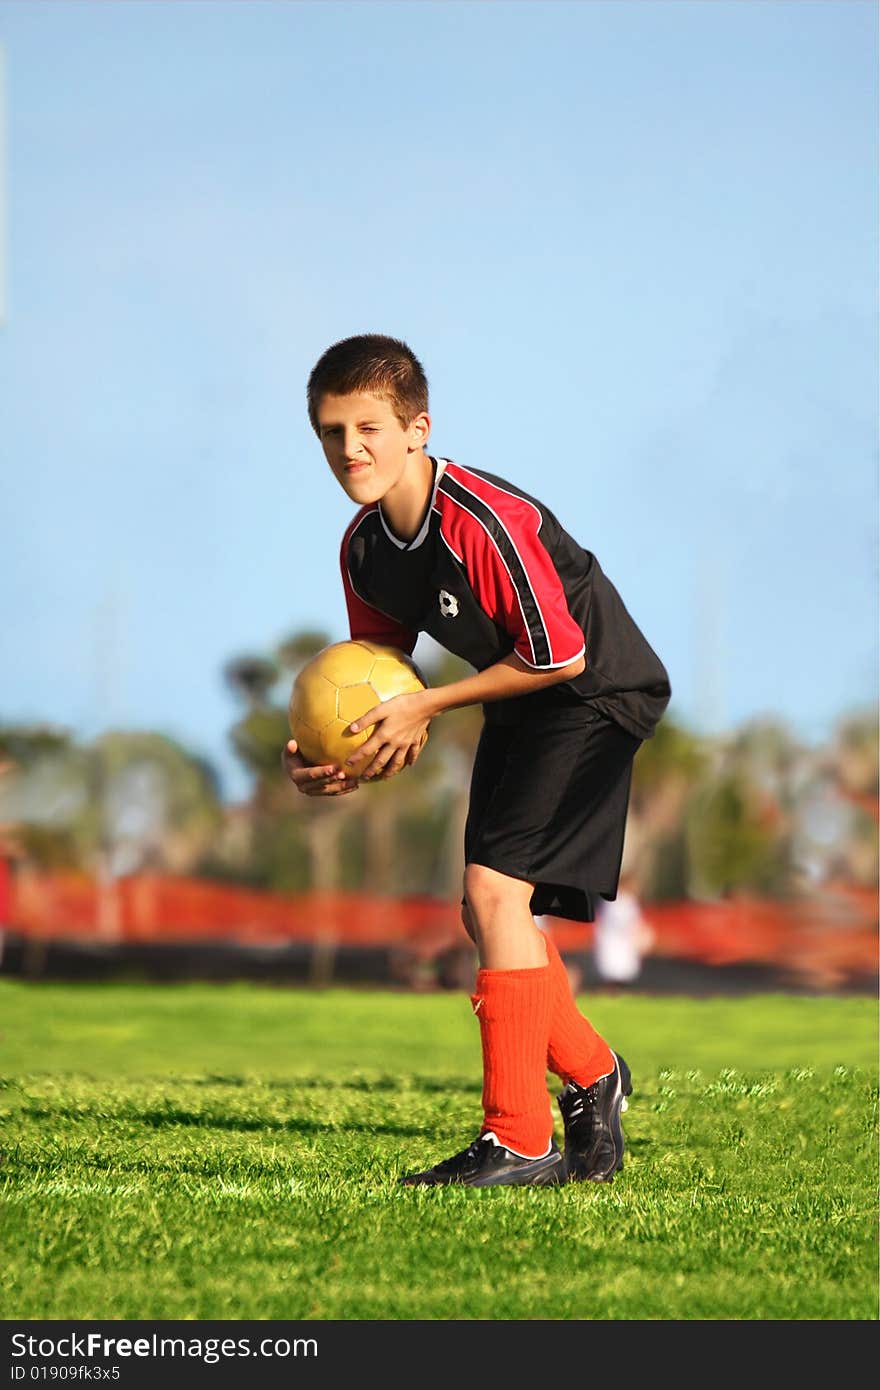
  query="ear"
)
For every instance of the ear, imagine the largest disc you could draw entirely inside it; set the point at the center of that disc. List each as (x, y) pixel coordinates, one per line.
(419, 430)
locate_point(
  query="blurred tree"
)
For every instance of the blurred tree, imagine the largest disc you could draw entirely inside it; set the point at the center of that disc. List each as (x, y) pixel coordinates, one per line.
(22, 745)
(855, 758)
(852, 766)
(770, 752)
(767, 758)
(151, 803)
(126, 800)
(673, 755)
(730, 847)
(252, 678)
(260, 735)
(43, 792)
(667, 770)
(258, 739)
(301, 647)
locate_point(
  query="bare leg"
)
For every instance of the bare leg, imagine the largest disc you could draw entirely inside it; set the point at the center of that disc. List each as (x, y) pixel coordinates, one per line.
(498, 920)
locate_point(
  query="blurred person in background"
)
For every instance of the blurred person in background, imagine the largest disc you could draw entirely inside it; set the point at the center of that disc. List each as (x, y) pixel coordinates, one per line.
(623, 936)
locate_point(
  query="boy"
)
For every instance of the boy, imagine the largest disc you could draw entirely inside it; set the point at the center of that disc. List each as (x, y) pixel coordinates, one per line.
(569, 689)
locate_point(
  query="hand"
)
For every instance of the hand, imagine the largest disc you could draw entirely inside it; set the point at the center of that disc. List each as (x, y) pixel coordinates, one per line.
(315, 781)
(396, 741)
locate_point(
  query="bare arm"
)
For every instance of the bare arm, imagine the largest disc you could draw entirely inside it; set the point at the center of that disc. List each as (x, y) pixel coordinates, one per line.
(506, 678)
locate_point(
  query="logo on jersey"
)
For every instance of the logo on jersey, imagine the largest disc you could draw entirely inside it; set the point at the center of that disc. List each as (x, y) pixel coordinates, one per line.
(448, 604)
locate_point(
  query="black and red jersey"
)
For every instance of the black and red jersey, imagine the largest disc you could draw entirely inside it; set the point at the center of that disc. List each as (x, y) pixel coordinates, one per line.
(491, 571)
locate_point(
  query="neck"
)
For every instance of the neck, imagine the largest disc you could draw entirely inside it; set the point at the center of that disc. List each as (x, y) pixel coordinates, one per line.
(404, 505)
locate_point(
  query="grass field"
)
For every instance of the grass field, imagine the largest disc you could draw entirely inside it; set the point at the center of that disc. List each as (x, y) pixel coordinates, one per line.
(231, 1151)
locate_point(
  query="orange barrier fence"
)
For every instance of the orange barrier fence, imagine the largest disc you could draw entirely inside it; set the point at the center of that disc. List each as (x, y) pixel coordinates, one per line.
(832, 934)
(156, 909)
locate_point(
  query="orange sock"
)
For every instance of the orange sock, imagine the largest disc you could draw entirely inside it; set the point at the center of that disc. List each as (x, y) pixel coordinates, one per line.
(513, 1008)
(575, 1051)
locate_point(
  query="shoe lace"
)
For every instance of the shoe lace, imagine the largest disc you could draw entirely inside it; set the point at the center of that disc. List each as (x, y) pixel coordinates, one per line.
(457, 1160)
(577, 1100)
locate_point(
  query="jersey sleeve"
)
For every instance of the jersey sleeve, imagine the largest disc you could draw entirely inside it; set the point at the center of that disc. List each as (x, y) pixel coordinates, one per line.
(514, 578)
(368, 622)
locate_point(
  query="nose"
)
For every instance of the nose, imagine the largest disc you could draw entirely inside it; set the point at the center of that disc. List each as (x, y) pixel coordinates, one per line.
(352, 445)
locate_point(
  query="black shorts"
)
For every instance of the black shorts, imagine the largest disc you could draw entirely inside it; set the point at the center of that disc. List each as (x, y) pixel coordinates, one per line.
(548, 805)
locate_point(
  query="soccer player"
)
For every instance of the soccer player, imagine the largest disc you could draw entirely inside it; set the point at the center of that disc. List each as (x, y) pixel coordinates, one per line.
(569, 688)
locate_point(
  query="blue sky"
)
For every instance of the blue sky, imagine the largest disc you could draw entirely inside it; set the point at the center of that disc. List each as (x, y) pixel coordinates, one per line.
(634, 244)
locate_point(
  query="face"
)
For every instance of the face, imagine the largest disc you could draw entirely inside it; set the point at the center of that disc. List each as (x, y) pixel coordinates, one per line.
(366, 446)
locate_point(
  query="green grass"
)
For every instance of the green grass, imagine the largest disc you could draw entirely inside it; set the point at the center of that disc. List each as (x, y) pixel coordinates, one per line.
(199, 1151)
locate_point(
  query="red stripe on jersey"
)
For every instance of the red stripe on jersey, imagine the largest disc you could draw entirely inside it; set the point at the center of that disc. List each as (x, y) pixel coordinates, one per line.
(529, 602)
(364, 620)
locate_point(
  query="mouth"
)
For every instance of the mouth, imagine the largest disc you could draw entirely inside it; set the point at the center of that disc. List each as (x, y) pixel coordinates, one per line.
(351, 469)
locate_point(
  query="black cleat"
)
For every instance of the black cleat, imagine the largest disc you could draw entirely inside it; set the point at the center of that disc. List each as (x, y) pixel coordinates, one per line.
(594, 1141)
(486, 1163)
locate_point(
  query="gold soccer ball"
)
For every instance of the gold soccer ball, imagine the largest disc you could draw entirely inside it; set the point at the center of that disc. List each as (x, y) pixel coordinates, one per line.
(340, 684)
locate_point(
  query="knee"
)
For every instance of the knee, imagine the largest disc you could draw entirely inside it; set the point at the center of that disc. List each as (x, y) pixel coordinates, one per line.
(486, 891)
(478, 891)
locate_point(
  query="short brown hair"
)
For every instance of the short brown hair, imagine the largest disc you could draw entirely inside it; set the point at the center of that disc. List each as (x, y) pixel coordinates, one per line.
(375, 364)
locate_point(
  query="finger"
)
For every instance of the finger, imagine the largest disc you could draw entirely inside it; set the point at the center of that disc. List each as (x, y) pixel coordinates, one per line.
(364, 721)
(291, 753)
(363, 755)
(320, 773)
(302, 778)
(297, 768)
(332, 788)
(377, 766)
(318, 784)
(373, 772)
(395, 765)
(321, 786)
(396, 762)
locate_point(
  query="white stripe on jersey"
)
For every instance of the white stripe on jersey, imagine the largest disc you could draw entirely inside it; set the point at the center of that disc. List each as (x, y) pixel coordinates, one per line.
(554, 665)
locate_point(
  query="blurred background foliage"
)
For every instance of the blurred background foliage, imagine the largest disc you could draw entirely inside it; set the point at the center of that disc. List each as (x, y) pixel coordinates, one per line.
(756, 811)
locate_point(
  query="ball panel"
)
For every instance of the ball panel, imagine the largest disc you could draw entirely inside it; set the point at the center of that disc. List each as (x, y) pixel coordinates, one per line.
(344, 663)
(390, 677)
(396, 655)
(355, 700)
(314, 700)
(338, 744)
(309, 742)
